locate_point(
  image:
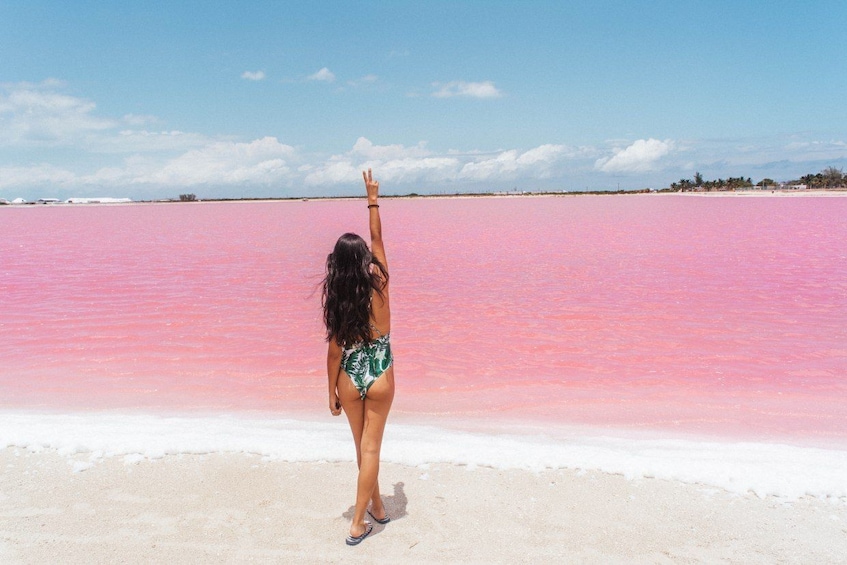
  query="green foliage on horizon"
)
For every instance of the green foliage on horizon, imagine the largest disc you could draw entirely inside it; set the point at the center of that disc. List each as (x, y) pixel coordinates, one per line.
(828, 178)
(732, 183)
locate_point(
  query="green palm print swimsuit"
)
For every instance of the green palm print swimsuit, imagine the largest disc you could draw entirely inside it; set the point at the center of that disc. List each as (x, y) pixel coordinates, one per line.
(364, 363)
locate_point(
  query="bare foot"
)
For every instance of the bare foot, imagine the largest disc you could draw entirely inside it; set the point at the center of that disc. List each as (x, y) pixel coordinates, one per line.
(357, 530)
(356, 538)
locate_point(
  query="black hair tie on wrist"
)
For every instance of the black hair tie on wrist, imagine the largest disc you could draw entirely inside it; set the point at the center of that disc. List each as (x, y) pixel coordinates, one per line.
(373, 205)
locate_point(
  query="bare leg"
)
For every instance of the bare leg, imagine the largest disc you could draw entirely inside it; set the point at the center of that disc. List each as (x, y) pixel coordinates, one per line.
(367, 420)
(356, 419)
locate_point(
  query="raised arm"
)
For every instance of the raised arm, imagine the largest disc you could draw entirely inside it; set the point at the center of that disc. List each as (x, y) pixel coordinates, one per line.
(377, 247)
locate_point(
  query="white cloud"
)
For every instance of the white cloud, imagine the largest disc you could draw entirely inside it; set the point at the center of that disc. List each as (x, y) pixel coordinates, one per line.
(323, 75)
(421, 169)
(260, 161)
(399, 164)
(502, 165)
(365, 80)
(396, 163)
(139, 120)
(253, 75)
(145, 141)
(336, 171)
(60, 144)
(640, 157)
(831, 149)
(484, 89)
(541, 162)
(38, 115)
(341, 169)
(36, 175)
(368, 151)
(544, 154)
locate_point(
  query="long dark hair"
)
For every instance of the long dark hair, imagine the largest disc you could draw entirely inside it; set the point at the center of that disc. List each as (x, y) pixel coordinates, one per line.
(347, 288)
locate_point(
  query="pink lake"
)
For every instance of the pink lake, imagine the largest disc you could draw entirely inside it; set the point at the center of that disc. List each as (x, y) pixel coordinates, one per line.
(672, 314)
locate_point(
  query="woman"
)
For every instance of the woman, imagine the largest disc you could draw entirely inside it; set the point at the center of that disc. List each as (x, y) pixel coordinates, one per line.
(358, 361)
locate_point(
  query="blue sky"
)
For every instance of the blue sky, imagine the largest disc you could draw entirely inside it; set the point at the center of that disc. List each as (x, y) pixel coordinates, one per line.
(255, 99)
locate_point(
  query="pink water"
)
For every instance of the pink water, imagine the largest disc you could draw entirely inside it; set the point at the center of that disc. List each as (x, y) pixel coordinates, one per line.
(714, 316)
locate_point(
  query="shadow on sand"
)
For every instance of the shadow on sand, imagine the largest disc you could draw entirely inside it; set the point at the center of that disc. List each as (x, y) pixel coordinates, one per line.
(395, 506)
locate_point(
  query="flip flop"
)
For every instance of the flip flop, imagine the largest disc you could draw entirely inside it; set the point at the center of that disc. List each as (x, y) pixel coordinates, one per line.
(355, 540)
(383, 521)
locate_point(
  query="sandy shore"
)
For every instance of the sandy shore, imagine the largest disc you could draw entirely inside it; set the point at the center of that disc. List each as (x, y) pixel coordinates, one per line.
(241, 508)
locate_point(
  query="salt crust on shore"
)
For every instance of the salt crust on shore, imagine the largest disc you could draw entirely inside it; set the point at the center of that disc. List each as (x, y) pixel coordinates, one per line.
(238, 508)
(785, 471)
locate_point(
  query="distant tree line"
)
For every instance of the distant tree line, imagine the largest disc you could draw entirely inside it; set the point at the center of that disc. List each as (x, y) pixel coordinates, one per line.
(828, 178)
(187, 197)
(732, 183)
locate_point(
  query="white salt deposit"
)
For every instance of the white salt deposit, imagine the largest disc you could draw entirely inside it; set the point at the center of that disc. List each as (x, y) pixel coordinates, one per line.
(765, 469)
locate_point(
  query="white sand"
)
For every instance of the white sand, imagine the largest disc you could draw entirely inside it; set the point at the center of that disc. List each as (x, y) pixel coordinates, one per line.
(239, 508)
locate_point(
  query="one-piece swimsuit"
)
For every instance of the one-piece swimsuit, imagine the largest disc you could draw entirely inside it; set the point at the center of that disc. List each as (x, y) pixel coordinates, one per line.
(364, 362)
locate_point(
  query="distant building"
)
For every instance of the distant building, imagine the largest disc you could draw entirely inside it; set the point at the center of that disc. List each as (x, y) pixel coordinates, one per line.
(99, 200)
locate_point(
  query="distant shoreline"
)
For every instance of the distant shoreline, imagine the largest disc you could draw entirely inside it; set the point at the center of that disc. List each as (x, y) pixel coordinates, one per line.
(414, 196)
(825, 192)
